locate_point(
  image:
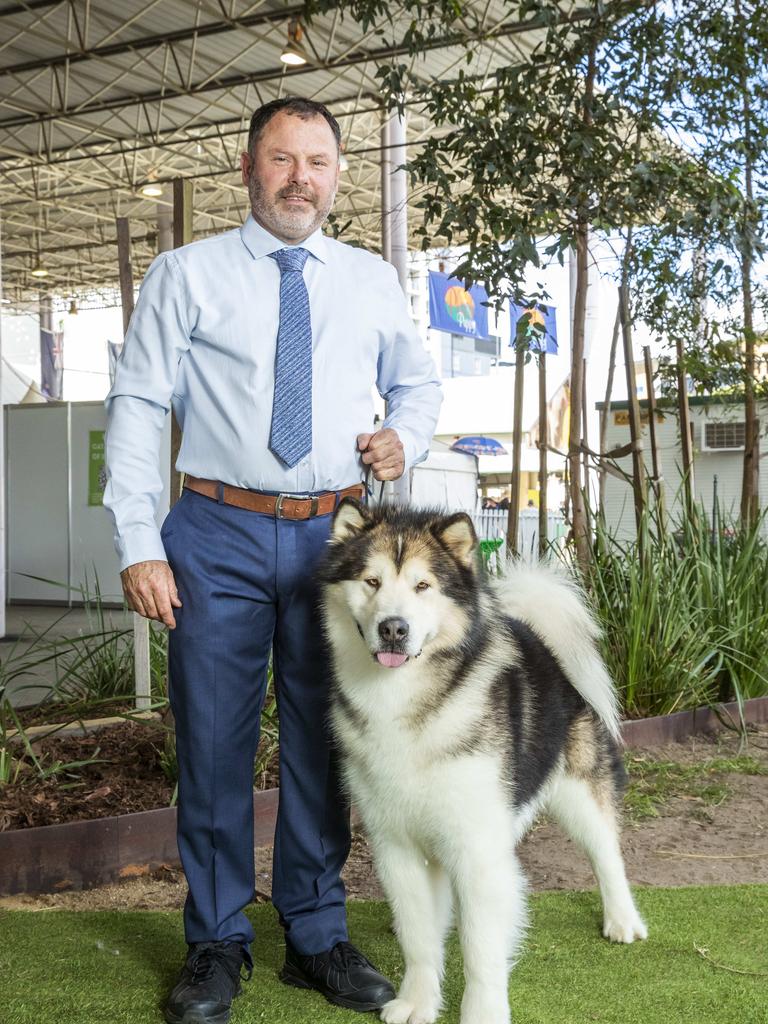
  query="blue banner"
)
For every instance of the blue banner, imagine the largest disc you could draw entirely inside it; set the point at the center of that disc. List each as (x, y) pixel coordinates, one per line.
(541, 330)
(457, 309)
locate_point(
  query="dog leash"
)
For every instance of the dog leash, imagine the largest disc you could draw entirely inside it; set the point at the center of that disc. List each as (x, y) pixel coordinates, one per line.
(369, 489)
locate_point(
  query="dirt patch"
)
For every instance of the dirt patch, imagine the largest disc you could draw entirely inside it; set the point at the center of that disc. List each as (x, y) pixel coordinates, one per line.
(705, 827)
(126, 776)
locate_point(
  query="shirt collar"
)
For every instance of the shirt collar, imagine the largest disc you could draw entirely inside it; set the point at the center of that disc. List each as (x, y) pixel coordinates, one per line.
(259, 242)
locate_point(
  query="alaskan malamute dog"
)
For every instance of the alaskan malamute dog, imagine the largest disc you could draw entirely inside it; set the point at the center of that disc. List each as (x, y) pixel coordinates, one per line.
(463, 707)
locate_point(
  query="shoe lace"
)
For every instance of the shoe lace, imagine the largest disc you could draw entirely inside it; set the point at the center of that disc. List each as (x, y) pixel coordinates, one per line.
(203, 962)
(344, 955)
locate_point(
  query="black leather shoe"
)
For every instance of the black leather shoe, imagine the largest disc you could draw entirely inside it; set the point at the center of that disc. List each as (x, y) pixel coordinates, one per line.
(343, 975)
(209, 981)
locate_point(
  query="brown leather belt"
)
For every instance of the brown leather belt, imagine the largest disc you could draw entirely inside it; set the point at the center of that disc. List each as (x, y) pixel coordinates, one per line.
(282, 506)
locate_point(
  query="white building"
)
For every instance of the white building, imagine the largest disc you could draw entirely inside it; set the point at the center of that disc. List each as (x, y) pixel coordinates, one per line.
(717, 427)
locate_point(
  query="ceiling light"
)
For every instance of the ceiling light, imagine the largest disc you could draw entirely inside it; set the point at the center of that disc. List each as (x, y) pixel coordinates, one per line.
(294, 53)
(151, 190)
(39, 271)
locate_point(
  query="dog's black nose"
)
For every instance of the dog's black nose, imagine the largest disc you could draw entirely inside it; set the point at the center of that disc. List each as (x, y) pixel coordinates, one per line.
(393, 630)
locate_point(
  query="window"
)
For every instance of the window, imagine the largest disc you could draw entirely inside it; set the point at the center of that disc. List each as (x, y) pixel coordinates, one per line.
(726, 436)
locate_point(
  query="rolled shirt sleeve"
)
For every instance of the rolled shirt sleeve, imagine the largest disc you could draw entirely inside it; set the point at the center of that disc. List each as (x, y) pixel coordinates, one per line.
(137, 404)
(407, 379)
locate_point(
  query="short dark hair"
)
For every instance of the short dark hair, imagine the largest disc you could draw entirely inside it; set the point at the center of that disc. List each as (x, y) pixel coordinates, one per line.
(293, 105)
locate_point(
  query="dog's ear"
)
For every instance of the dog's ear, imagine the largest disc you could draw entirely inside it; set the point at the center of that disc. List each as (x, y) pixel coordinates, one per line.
(349, 519)
(457, 534)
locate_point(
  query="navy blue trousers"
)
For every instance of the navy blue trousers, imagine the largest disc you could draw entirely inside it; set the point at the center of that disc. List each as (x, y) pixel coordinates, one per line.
(246, 585)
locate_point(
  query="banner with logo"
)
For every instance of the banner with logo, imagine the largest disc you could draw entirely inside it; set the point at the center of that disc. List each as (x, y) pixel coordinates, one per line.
(541, 329)
(457, 309)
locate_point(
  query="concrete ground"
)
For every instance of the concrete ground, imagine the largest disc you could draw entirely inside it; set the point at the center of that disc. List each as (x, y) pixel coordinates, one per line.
(25, 622)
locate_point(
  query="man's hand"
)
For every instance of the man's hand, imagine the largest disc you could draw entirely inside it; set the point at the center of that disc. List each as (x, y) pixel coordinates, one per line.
(150, 590)
(383, 452)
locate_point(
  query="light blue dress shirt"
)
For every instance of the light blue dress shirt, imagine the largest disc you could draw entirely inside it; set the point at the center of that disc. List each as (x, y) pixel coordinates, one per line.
(202, 339)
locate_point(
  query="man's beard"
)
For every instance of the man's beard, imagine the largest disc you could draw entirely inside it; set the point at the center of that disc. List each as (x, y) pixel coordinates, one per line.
(267, 212)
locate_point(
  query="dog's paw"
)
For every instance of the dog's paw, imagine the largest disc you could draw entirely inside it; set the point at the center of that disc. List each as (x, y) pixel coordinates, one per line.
(480, 1005)
(402, 1011)
(625, 929)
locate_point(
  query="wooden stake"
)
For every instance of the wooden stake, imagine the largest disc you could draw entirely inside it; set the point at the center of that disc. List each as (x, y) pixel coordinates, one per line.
(686, 441)
(543, 442)
(657, 488)
(635, 427)
(604, 419)
(517, 444)
(584, 432)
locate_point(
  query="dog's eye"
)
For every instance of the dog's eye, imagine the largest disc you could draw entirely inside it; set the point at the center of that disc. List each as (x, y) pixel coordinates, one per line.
(372, 582)
(423, 585)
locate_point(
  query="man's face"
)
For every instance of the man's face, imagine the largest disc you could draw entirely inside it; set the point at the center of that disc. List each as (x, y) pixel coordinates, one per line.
(292, 176)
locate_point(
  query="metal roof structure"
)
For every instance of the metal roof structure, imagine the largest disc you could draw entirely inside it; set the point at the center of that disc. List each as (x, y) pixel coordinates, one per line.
(97, 99)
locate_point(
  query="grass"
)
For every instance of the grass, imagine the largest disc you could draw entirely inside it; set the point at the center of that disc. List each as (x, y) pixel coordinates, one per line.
(653, 783)
(705, 963)
(684, 613)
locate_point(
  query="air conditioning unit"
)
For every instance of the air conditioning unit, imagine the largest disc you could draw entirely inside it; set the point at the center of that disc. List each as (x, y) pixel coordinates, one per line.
(724, 436)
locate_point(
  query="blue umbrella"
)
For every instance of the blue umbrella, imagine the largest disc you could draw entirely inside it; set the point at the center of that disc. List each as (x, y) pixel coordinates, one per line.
(479, 446)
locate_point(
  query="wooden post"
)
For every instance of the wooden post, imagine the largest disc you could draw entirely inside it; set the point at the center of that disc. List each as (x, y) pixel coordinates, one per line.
(182, 235)
(657, 479)
(607, 409)
(686, 441)
(635, 427)
(543, 442)
(2, 486)
(141, 674)
(585, 433)
(513, 522)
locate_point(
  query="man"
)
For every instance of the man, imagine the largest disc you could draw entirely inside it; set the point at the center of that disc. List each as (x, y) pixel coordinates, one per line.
(267, 341)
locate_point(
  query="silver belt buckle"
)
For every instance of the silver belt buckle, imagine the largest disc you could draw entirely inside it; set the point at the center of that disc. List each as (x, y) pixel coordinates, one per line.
(296, 497)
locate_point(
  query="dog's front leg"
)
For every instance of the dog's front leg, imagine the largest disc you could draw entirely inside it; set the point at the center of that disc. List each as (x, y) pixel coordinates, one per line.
(492, 914)
(420, 896)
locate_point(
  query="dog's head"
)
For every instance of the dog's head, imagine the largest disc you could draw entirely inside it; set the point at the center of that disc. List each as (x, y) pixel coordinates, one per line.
(405, 578)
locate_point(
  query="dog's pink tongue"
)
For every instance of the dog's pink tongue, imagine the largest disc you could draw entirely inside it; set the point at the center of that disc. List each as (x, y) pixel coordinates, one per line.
(390, 659)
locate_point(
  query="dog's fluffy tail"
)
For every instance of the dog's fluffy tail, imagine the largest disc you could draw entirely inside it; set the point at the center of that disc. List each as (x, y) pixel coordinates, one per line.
(551, 603)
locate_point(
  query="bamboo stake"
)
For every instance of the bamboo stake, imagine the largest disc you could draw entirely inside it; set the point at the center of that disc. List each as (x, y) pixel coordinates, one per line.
(607, 410)
(543, 442)
(657, 478)
(517, 444)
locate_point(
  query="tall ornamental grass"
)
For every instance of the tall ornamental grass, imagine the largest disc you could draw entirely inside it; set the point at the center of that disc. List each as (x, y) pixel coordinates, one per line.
(684, 612)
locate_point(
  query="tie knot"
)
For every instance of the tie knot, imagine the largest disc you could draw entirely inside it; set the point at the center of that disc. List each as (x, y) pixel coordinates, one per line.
(291, 259)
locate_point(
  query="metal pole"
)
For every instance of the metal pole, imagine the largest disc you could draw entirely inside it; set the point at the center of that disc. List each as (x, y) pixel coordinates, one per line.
(386, 192)
(182, 235)
(395, 217)
(141, 673)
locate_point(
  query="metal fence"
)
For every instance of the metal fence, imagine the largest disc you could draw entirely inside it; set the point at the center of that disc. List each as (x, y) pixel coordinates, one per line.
(491, 527)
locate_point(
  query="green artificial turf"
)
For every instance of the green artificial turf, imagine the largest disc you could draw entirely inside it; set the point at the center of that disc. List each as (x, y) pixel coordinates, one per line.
(60, 967)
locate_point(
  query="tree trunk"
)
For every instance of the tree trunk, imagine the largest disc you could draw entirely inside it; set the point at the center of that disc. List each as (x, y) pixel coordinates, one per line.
(750, 476)
(579, 521)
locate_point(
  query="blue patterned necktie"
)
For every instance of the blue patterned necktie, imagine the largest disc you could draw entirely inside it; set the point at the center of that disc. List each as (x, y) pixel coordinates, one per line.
(291, 434)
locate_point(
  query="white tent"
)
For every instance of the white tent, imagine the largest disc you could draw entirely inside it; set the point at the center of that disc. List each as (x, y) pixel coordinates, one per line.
(17, 387)
(446, 479)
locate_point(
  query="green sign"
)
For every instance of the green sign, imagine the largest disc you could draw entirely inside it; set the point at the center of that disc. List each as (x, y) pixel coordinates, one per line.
(97, 471)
